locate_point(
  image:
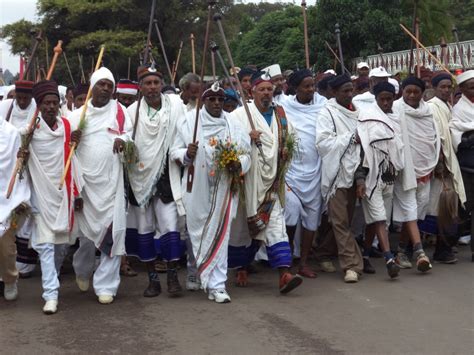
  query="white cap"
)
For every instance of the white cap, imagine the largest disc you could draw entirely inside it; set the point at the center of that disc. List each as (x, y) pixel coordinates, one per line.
(461, 78)
(102, 73)
(273, 70)
(330, 71)
(379, 72)
(395, 83)
(363, 65)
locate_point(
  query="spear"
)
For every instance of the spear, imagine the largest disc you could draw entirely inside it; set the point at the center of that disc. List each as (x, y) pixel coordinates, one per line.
(258, 143)
(162, 45)
(305, 26)
(32, 126)
(82, 120)
(339, 45)
(461, 54)
(190, 177)
(193, 54)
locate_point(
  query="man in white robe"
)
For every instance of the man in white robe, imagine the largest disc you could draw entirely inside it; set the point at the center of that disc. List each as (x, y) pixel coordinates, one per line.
(53, 207)
(303, 200)
(102, 222)
(11, 209)
(376, 75)
(447, 171)
(212, 204)
(260, 219)
(155, 182)
(462, 133)
(18, 112)
(382, 148)
(339, 147)
(412, 187)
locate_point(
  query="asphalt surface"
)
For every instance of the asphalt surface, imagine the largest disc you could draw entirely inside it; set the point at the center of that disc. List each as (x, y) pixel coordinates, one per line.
(416, 314)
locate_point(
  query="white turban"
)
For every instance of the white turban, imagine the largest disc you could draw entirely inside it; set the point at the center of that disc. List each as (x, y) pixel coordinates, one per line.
(102, 73)
(395, 83)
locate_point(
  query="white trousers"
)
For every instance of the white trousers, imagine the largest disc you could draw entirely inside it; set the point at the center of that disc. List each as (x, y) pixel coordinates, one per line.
(218, 275)
(106, 279)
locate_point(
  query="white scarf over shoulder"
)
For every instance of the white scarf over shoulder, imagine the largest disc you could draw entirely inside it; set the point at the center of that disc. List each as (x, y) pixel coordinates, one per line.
(211, 206)
(103, 192)
(9, 145)
(463, 120)
(363, 101)
(18, 118)
(46, 166)
(442, 116)
(261, 176)
(153, 140)
(335, 141)
(381, 142)
(420, 133)
(304, 174)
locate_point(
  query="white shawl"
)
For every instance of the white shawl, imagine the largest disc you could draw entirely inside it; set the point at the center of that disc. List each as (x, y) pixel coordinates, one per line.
(335, 141)
(381, 142)
(153, 140)
(442, 116)
(9, 145)
(364, 101)
(18, 118)
(46, 166)
(103, 192)
(463, 120)
(261, 176)
(304, 174)
(211, 206)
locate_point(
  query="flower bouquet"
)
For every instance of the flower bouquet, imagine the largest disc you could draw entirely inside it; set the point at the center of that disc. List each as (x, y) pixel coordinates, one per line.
(226, 161)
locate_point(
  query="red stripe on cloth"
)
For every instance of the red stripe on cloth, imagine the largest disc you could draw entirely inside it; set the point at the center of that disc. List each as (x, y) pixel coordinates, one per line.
(127, 86)
(67, 180)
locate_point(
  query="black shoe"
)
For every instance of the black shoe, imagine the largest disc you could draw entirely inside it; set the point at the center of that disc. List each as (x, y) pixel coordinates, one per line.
(153, 289)
(445, 257)
(375, 253)
(392, 269)
(368, 268)
(172, 281)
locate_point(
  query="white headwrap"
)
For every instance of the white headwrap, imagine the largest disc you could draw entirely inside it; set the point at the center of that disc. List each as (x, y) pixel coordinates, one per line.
(102, 73)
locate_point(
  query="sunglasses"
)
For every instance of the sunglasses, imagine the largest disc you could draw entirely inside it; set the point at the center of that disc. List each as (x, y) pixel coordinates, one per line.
(216, 99)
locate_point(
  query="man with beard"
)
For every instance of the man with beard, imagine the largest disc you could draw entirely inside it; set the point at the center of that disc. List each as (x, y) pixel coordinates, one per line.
(190, 85)
(278, 81)
(260, 219)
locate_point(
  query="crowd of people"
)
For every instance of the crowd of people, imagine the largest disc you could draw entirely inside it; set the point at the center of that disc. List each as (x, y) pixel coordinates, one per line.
(277, 166)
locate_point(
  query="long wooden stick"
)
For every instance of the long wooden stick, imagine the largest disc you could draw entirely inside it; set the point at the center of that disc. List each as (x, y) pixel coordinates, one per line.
(163, 50)
(336, 58)
(213, 66)
(83, 77)
(193, 54)
(460, 52)
(410, 68)
(69, 69)
(32, 125)
(81, 120)
(339, 45)
(407, 31)
(190, 177)
(417, 35)
(215, 49)
(305, 27)
(177, 61)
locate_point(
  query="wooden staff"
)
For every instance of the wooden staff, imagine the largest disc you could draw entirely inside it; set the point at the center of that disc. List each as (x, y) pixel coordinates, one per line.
(412, 42)
(258, 143)
(69, 69)
(407, 31)
(336, 58)
(82, 120)
(339, 45)
(177, 61)
(417, 35)
(193, 54)
(305, 26)
(461, 54)
(46, 49)
(128, 67)
(32, 125)
(190, 177)
(165, 57)
(215, 49)
(213, 65)
(83, 77)
(380, 50)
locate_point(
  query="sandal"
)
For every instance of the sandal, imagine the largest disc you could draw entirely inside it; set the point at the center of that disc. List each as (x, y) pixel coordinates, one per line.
(126, 270)
(306, 271)
(242, 278)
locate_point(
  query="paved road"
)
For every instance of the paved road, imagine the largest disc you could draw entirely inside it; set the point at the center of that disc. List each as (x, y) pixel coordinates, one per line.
(417, 314)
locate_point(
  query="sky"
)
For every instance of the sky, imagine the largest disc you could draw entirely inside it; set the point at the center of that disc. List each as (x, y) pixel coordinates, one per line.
(15, 10)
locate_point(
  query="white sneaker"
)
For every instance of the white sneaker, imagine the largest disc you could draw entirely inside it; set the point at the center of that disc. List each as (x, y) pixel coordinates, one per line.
(327, 266)
(50, 307)
(465, 240)
(10, 292)
(106, 299)
(351, 276)
(83, 284)
(220, 296)
(192, 283)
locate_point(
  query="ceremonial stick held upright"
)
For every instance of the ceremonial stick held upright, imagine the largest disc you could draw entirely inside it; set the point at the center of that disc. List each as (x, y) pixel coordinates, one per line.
(190, 177)
(339, 45)
(32, 125)
(162, 45)
(215, 49)
(177, 61)
(193, 54)
(336, 58)
(305, 26)
(258, 143)
(82, 120)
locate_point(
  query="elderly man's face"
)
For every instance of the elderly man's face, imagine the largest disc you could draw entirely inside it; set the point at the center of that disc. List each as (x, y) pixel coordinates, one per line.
(102, 92)
(467, 88)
